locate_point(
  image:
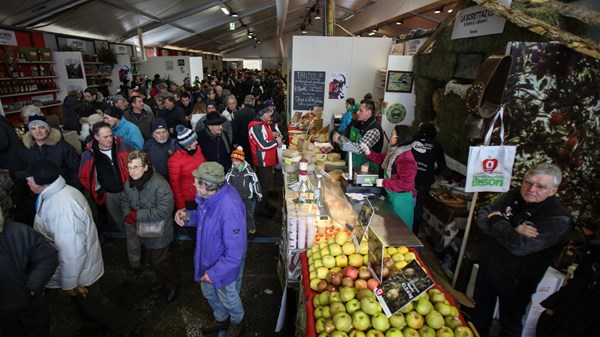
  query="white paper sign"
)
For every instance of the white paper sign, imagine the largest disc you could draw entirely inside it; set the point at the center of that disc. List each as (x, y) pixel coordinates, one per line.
(412, 46)
(477, 21)
(8, 37)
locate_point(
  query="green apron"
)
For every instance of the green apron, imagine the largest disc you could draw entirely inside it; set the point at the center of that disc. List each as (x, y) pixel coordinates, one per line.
(403, 205)
(359, 159)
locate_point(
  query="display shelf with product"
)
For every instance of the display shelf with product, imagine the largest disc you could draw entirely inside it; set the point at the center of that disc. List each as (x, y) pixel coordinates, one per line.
(95, 70)
(27, 77)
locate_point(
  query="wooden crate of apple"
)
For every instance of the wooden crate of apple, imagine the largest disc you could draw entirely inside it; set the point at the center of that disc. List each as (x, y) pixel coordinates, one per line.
(356, 313)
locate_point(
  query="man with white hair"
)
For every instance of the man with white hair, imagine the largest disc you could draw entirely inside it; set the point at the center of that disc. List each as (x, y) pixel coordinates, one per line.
(525, 229)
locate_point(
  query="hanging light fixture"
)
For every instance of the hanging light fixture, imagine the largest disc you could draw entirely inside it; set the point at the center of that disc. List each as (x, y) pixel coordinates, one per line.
(234, 14)
(438, 10)
(401, 22)
(373, 32)
(303, 29)
(450, 10)
(225, 10)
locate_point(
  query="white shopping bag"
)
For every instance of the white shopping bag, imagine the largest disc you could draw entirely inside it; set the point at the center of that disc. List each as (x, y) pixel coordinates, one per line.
(490, 167)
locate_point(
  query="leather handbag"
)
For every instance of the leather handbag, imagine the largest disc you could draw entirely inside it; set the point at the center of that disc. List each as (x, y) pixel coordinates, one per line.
(150, 229)
(485, 95)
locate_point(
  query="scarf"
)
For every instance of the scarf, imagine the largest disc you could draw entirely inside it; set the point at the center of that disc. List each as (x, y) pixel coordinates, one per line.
(392, 154)
(139, 184)
(191, 152)
(223, 138)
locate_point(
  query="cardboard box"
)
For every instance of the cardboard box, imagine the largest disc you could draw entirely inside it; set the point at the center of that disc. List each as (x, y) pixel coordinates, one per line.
(550, 283)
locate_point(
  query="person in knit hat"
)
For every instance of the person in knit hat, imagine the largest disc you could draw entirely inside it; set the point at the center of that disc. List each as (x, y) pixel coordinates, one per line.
(159, 147)
(244, 179)
(187, 157)
(120, 126)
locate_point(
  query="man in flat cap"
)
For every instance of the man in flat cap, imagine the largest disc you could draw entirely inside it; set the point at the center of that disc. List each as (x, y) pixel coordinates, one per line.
(220, 222)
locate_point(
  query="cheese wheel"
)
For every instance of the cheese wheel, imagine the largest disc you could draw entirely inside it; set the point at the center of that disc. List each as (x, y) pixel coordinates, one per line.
(289, 153)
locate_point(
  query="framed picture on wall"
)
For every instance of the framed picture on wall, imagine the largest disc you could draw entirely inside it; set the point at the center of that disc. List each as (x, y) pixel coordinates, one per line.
(399, 81)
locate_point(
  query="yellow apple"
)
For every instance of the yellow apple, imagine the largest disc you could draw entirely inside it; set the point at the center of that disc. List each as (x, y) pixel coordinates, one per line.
(398, 257)
(341, 237)
(402, 250)
(355, 260)
(364, 248)
(341, 261)
(391, 250)
(348, 248)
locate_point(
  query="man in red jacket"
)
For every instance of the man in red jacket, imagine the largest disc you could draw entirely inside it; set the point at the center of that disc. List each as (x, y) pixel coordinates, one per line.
(264, 138)
(103, 172)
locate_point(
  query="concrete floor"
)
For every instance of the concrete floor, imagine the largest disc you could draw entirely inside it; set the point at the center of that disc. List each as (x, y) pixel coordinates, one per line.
(261, 290)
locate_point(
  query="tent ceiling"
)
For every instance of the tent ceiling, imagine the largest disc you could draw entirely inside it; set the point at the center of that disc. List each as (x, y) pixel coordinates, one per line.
(202, 26)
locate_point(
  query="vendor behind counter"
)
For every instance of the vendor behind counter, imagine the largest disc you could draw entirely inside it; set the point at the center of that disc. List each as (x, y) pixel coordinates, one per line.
(367, 131)
(399, 172)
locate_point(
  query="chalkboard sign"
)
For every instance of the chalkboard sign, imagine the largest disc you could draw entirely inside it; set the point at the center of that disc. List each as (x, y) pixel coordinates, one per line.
(309, 89)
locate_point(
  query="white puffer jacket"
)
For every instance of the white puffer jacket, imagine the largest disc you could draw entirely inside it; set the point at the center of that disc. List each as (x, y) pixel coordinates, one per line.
(64, 216)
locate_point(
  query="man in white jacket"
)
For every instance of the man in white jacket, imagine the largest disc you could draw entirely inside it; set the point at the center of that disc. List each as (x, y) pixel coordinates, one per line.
(65, 218)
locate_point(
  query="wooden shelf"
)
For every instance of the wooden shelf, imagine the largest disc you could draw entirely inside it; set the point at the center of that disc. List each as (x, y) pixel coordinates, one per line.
(27, 78)
(38, 62)
(97, 74)
(42, 107)
(30, 93)
(93, 63)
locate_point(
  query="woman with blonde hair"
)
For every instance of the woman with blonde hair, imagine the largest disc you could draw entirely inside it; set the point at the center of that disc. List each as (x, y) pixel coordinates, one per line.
(148, 199)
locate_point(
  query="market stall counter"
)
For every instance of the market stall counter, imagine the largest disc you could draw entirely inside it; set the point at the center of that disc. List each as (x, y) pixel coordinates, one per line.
(316, 208)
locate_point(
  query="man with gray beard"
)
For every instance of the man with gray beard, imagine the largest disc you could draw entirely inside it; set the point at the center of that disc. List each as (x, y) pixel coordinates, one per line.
(159, 147)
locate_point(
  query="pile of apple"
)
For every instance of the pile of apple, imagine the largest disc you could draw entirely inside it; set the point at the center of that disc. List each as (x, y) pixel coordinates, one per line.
(347, 306)
(335, 262)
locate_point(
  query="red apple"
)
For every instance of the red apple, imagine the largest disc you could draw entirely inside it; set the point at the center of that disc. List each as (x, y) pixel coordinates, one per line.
(331, 288)
(351, 272)
(321, 286)
(372, 283)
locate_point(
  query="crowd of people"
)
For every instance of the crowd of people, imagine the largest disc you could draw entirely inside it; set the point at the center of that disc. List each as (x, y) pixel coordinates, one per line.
(191, 156)
(174, 156)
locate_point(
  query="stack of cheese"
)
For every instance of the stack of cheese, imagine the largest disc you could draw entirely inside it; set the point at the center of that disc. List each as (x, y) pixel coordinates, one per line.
(314, 155)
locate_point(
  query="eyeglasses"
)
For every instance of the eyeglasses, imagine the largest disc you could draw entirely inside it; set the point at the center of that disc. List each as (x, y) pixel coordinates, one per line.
(528, 183)
(134, 167)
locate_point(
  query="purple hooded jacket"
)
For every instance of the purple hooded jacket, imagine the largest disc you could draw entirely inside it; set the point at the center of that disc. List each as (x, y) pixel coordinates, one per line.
(220, 222)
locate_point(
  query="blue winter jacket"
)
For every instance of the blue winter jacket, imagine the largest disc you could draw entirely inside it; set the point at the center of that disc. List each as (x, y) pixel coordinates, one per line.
(220, 222)
(130, 132)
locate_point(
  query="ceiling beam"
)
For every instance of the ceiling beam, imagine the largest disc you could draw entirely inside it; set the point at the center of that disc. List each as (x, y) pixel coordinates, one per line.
(167, 20)
(220, 36)
(232, 19)
(42, 11)
(382, 11)
(241, 45)
(426, 17)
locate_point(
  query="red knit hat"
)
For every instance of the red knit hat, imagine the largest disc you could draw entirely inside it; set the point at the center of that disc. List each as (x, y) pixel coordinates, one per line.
(238, 154)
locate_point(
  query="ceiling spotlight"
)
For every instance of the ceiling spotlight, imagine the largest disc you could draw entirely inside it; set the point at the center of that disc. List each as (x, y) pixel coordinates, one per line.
(250, 34)
(318, 15)
(401, 22)
(303, 29)
(234, 14)
(450, 10)
(374, 30)
(256, 38)
(438, 10)
(371, 33)
(225, 10)
(258, 42)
